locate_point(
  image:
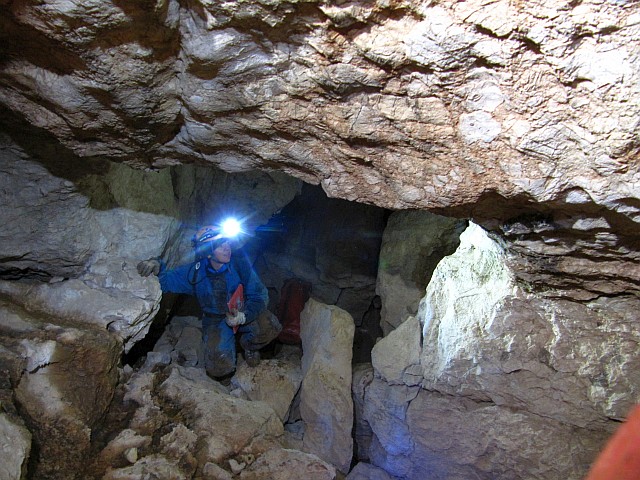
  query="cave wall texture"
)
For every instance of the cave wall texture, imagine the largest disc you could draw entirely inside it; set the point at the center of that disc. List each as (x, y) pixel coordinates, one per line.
(520, 116)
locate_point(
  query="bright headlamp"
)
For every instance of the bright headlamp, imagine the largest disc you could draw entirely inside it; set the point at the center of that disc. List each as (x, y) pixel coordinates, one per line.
(230, 228)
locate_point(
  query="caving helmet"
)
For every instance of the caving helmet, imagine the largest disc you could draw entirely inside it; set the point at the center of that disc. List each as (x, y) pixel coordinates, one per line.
(210, 237)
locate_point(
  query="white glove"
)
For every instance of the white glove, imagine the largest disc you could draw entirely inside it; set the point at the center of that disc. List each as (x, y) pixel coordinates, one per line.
(147, 267)
(235, 320)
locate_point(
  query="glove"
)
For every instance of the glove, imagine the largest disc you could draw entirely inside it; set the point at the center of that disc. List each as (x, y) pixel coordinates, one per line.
(235, 320)
(147, 267)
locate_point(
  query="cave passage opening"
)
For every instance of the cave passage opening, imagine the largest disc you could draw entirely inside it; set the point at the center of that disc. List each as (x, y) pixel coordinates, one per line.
(372, 262)
(315, 246)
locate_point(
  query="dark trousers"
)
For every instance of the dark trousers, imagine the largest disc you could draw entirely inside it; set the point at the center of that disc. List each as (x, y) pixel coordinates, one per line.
(220, 341)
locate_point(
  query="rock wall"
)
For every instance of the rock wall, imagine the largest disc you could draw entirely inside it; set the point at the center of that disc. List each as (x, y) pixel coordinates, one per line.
(71, 300)
(413, 243)
(59, 379)
(402, 104)
(492, 381)
(526, 126)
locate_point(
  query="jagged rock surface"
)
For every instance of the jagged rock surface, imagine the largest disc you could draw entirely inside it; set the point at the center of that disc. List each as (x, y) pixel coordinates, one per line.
(413, 244)
(60, 380)
(185, 425)
(490, 381)
(365, 471)
(16, 446)
(527, 123)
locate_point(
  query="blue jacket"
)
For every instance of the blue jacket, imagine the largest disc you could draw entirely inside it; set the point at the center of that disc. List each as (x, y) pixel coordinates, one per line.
(188, 279)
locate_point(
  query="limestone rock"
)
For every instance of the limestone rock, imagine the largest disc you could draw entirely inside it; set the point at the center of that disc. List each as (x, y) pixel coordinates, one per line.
(445, 107)
(386, 412)
(181, 342)
(466, 290)
(516, 348)
(521, 116)
(500, 357)
(71, 218)
(273, 381)
(284, 464)
(460, 439)
(32, 197)
(124, 442)
(87, 235)
(394, 356)
(412, 245)
(211, 471)
(16, 448)
(362, 434)
(207, 430)
(150, 466)
(326, 405)
(111, 295)
(224, 424)
(63, 378)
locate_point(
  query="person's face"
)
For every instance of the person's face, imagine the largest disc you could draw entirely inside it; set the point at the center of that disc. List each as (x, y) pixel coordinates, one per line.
(222, 253)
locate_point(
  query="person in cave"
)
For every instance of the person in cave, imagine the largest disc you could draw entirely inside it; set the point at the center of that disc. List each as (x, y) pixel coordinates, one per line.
(215, 278)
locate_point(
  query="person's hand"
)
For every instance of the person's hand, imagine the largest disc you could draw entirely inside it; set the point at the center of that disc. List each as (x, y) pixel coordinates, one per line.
(147, 267)
(235, 320)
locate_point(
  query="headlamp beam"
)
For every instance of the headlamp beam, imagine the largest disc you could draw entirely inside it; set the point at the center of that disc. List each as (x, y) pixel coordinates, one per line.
(230, 228)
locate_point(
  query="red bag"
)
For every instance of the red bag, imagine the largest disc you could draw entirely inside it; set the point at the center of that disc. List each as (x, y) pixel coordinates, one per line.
(236, 303)
(294, 295)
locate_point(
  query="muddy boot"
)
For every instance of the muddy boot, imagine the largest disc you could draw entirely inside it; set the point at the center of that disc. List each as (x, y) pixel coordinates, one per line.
(225, 381)
(252, 357)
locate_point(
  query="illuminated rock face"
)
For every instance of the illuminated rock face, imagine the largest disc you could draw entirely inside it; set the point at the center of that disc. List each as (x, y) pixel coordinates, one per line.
(519, 116)
(413, 244)
(492, 381)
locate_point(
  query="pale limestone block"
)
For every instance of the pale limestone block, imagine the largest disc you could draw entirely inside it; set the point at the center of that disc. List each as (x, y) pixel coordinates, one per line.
(326, 405)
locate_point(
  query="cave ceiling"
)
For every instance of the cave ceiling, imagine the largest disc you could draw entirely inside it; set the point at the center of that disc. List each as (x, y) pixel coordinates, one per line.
(522, 116)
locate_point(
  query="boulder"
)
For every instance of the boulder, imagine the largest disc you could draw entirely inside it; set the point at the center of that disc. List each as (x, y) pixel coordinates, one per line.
(284, 464)
(63, 379)
(326, 405)
(224, 424)
(507, 385)
(366, 471)
(274, 381)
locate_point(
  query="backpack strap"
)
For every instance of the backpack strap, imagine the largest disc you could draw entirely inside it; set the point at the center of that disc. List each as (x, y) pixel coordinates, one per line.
(194, 278)
(240, 262)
